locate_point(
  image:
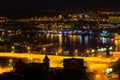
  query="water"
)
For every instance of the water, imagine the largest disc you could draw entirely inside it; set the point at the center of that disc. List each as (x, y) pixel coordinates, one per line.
(80, 43)
(56, 43)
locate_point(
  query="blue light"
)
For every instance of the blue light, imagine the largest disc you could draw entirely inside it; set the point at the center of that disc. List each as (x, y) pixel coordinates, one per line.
(90, 32)
(105, 32)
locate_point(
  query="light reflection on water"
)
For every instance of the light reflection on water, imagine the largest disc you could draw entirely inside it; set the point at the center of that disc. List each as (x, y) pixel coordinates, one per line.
(80, 42)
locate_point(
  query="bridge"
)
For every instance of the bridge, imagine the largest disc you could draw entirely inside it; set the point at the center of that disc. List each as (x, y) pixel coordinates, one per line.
(98, 64)
(56, 61)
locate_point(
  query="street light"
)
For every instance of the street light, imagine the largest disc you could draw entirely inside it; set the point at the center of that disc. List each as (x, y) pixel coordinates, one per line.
(76, 52)
(13, 49)
(87, 52)
(93, 52)
(59, 52)
(44, 49)
(10, 62)
(28, 48)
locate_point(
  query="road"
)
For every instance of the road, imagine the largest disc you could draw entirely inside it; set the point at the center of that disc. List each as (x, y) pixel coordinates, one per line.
(93, 63)
(101, 76)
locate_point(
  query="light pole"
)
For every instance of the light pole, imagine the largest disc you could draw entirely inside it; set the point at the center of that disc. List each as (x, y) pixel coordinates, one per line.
(13, 49)
(87, 52)
(10, 62)
(76, 52)
(93, 52)
(44, 49)
(28, 48)
(60, 51)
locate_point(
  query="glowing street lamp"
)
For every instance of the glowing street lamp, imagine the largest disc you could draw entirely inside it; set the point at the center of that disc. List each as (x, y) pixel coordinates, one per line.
(13, 49)
(111, 48)
(59, 51)
(10, 62)
(76, 52)
(92, 50)
(44, 49)
(87, 51)
(28, 48)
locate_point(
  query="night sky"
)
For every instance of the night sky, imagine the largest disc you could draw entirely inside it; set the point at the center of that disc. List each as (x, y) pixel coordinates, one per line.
(60, 5)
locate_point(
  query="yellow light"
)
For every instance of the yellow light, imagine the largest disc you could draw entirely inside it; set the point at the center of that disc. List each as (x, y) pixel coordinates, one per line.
(97, 75)
(87, 51)
(60, 50)
(110, 48)
(115, 76)
(10, 60)
(2, 70)
(76, 51)
(54, 59)
(13, 47)
(99, 56)
(28, 48)
(92, 50)
(44, 49)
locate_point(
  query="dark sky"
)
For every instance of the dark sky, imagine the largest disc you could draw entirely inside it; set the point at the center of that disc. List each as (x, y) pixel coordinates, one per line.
(60, 5)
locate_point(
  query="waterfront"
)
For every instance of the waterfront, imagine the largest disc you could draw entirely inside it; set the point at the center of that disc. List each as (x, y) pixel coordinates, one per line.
(80, 43)
(91, 40)
(72, 43)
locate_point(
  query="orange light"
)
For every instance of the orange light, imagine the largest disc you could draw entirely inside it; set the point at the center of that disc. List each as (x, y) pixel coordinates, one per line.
(28, 48)
(44, 49)
(13, 47)
(115, 76)
(76, 51)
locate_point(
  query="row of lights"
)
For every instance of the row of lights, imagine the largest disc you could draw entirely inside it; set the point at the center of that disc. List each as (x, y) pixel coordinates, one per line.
(91, 51)
(13, 49)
